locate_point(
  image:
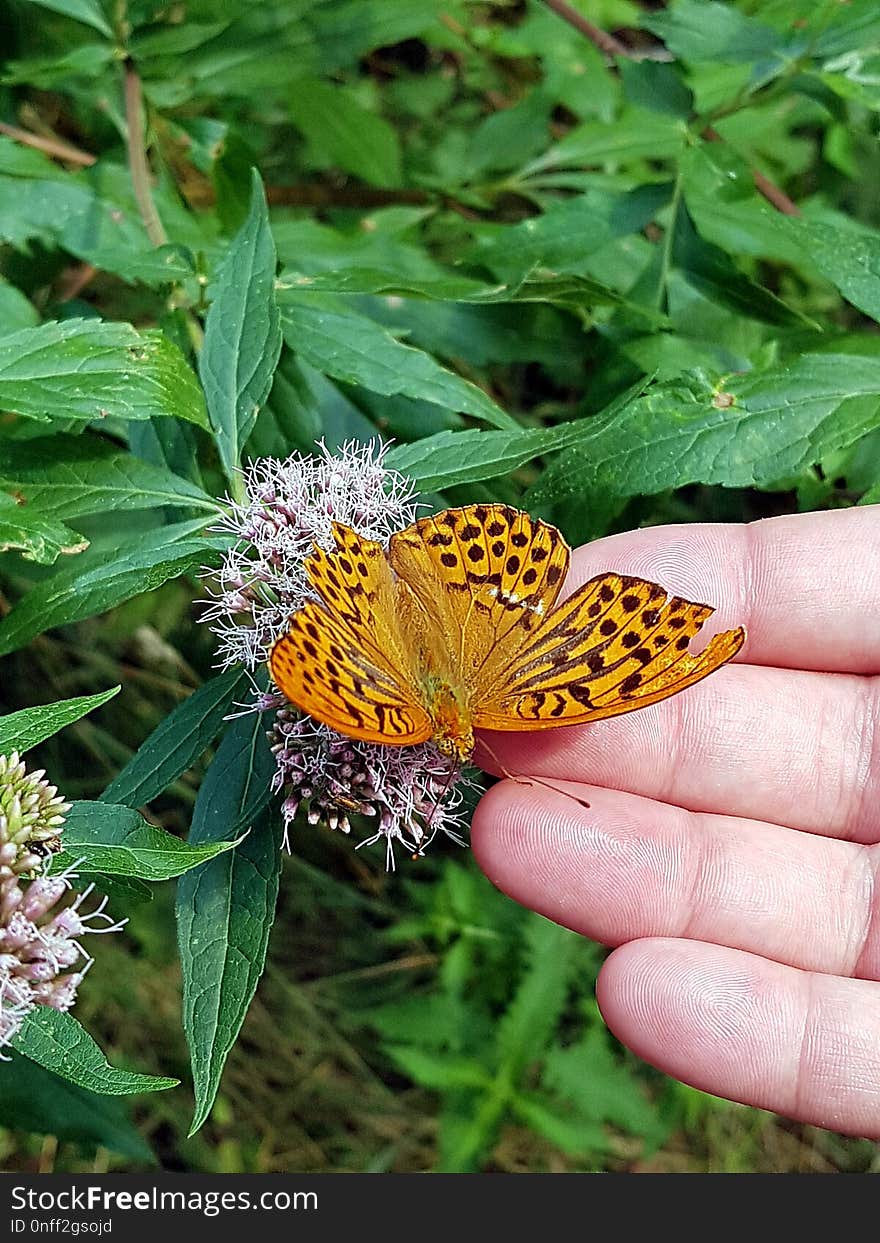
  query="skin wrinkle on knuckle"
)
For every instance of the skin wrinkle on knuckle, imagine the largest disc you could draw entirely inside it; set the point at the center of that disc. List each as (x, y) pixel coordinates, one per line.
(680, 740)
(747, 578)
(838, 1067)
(804, 1073)
(704, 869)
(866, 964)
(862, 818)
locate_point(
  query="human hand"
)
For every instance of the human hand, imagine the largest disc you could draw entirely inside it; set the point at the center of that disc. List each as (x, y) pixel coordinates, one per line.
(730, 849)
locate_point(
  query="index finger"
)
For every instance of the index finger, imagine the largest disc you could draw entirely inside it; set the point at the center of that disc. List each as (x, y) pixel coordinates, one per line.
(805, 586)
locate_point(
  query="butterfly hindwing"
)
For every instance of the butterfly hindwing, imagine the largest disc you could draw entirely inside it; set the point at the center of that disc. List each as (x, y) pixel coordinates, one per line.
(618, 643)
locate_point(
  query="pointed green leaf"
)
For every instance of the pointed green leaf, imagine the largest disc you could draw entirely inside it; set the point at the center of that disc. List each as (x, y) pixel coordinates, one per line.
(348, 346)
(242, 333)
(98, 580)
(87, 11)
(449, 458)
(225, 908)
(103, 837)
(19, 731)
(531, 1018)
(88, 369)
(737, 431)
(58, 1042)
(342, 133)
(66, 476)
(177, 742)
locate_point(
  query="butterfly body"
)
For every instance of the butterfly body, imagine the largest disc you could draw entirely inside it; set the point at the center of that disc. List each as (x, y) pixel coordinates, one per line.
(457, 627)
(451, 717)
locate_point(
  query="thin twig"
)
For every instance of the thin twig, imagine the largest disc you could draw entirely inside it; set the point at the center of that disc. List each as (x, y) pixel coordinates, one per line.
(772, 193)
(612, 46)
(609, 44)
(778, 198)
(50, 146)
(74, 280)
(604, 42)
(137, 157)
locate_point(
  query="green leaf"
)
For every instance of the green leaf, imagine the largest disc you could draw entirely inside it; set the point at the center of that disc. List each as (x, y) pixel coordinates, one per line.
(440, 1071)
(851, 27)
(19, 731)
(350, 347)
(601, 1086)
(715, 275)
(66, 476)
(88, 369)
(292, 418)
(87, 61)
(705, 30)
(16, 311)
(173, 40)
(58, 1042)
(103, 577)
(33, 1099)
(225, 908)
(739, 431)
(448, 458)
(573, 1134)
(37, 535)
(640, 135)
(117, 841)
(87, 11)
(574, 292)
(169, 444)
(845, 253)
(342, 133)
(531, 1018)
(570, 233)
(74, 217)
(242, 333)
(656, 86)
(177, 742)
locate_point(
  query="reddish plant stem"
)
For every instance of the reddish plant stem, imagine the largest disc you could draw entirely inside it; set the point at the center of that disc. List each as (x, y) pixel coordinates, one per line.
(612, 46)
(137, 157)
(54, 147)
(604, 42)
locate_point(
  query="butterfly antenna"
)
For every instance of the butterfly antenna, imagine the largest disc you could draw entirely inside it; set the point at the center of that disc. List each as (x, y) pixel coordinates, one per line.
(523, 780)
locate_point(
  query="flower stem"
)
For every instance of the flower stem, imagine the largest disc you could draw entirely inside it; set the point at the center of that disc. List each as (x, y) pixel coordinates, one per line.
(137, 156)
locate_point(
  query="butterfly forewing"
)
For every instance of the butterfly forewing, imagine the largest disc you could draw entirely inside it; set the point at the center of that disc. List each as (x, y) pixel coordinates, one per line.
(486, 574)
(618, 643)
(343, 661)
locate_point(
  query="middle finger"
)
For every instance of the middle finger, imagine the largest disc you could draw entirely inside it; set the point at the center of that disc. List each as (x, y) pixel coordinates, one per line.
(773, 744)
(627, 867)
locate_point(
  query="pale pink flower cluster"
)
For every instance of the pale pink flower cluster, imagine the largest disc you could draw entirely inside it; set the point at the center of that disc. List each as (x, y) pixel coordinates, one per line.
(41, 959)
(409, 793)
(42, 962)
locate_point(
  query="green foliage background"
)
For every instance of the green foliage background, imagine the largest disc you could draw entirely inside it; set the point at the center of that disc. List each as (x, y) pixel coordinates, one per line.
(615, 281)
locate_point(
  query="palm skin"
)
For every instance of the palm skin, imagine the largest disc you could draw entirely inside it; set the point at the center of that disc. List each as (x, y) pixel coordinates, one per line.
(731, 847)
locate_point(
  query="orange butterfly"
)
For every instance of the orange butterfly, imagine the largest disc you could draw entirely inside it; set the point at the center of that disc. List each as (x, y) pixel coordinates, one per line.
(456, 627)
